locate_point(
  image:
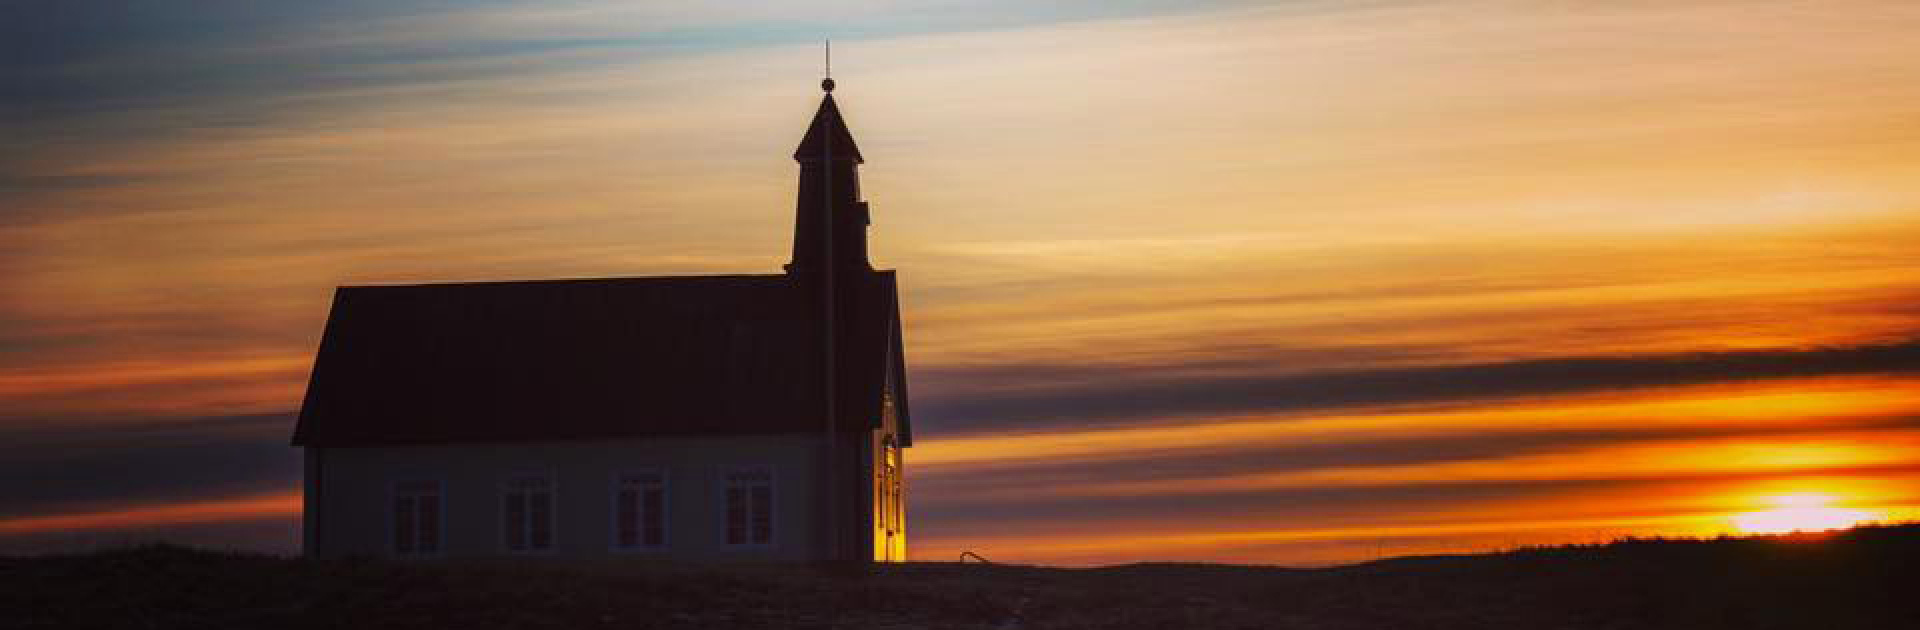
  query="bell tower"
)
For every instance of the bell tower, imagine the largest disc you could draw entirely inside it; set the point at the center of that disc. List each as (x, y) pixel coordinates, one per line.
(830, 222)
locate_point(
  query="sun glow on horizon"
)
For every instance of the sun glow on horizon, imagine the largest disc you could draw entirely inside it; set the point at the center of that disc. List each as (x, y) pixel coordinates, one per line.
(1801, 511)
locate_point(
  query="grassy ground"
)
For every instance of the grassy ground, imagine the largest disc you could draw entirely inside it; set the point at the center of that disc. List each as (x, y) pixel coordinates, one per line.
(1862, 578)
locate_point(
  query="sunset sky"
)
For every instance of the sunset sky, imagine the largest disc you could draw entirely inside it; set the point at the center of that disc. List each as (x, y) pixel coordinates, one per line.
(1294, 283)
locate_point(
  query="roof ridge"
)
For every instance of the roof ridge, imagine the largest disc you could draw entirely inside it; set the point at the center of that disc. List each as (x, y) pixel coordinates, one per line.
(577, 280)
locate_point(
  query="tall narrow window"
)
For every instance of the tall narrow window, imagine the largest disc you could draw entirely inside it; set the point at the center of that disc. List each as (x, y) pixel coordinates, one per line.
(890, 486)
(526, 510)
(750, 506)
(640, 510)
(416, 517)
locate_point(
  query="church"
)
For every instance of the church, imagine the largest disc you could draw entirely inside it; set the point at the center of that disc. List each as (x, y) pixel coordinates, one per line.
(722, 418)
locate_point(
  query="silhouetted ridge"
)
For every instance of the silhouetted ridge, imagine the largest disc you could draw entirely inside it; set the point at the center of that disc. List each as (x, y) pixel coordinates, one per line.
(1840, 581)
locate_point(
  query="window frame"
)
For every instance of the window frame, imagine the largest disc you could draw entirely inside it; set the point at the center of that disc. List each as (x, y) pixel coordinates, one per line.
(616, 483)
(505, 487)
(772, 484)
(394, 494)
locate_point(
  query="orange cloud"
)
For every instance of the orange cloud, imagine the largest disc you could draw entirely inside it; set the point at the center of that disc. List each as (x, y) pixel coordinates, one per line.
(275, 505)
(1795, 402)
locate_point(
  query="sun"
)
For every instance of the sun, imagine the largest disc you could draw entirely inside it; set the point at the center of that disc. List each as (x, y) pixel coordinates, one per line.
(1800, 512)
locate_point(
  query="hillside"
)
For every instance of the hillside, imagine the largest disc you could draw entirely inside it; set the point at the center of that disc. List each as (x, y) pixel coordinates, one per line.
(1861, 578)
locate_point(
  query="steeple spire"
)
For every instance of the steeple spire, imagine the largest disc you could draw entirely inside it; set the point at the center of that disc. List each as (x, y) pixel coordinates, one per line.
(827, 83)
(827, 138)
(829, 191)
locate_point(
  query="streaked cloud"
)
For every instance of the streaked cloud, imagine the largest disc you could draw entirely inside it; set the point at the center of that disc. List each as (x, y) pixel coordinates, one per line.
(220, 511)
(1108, 393)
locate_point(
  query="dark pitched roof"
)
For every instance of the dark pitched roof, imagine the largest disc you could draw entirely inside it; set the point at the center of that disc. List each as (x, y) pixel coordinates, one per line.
(828, 128)
(594, 358)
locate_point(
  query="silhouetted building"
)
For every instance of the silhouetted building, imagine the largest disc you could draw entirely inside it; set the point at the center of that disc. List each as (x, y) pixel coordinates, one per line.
(672, 417)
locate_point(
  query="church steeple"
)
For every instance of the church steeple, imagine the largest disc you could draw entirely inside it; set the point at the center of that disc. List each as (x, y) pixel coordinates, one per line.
(829, 190)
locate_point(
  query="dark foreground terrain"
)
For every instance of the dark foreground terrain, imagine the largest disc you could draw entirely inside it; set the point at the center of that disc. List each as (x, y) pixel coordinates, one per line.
(1862, 578)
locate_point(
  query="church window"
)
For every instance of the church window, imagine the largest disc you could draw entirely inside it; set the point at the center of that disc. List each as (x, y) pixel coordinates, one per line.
(416, 517)
(749, 499)
(526, 510)
(890, 485)
(640, 510)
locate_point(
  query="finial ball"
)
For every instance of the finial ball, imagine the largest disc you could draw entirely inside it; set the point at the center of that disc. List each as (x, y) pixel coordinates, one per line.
(826, 84)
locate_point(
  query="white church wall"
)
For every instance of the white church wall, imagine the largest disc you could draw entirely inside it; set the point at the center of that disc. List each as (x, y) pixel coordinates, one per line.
(352, 494)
